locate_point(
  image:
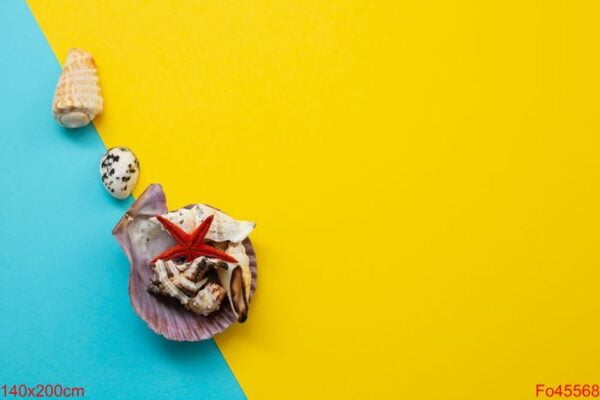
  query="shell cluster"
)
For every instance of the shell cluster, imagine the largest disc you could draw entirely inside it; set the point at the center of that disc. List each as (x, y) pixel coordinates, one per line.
(213, 259)
(202, 284)
(78, 98)
(119, 171)
(186, 299)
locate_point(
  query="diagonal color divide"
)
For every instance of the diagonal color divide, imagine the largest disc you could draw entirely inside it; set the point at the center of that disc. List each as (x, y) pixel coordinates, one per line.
(64, 312)
(424, 175)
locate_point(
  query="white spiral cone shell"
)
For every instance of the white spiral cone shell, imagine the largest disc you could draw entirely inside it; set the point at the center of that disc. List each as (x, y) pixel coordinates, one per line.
(77, 99)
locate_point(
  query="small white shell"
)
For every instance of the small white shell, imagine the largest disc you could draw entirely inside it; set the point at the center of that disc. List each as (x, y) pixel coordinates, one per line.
(119, 171)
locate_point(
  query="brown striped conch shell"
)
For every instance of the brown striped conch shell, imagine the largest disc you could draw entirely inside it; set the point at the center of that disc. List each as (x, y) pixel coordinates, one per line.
(174, 297)
(77, 99)
(236, 279)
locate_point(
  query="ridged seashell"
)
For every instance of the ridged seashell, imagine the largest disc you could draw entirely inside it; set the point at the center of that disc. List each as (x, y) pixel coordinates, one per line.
(188, 283)
(142, 240)
(119, 171)
(207, 300)
(77, 99)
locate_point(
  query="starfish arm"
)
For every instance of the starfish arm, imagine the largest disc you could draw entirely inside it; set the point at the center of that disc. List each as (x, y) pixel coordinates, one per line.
(209, 251)
(200, 232)
(177, 251)
(180, 236)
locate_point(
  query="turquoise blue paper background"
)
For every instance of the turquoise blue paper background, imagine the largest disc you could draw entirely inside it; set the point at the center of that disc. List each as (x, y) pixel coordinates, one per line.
(65, 316)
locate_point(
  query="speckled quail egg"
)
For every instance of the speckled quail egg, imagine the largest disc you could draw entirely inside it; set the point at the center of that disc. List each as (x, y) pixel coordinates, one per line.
(119, 171)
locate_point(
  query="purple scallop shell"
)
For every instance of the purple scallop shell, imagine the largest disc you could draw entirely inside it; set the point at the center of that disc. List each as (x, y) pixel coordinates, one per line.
(164, 316)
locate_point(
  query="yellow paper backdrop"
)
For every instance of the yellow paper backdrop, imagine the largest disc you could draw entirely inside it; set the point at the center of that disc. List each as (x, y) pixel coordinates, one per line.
(424, 176)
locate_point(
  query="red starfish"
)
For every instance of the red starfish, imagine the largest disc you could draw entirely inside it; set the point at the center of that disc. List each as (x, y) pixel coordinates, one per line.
(190, 245)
